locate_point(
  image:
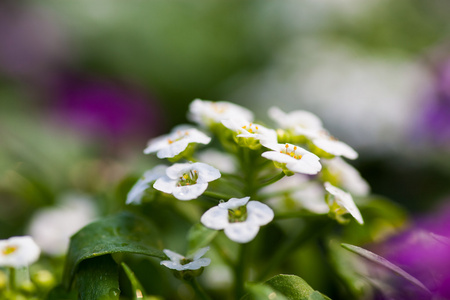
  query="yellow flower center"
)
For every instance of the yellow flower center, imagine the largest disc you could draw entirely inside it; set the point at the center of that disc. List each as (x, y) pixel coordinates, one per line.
(9, 250)
(251, 128)
(292, 153)
(188, 178)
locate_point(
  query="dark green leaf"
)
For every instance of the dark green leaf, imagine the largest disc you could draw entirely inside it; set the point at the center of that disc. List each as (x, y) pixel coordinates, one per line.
(260, 291)
(98, 278)
(120, 233)
(292, 287)
(199, 236)
(384, 263)
(138, 290)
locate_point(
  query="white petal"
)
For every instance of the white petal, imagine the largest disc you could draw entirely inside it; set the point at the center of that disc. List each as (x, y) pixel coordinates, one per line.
(221, 160)
(156, 144)
(172, 265)
(308, 164)
(241, 232)
(197, 264)
(137, 191)
(259, 213)
(215, 218)
(345, 200)
(200, 253)
(26, 251)
(175, 257)
(189, 192)
(206, 173)
(175, 171)
(234, 203)
(277, 156)
(347, 176)
(295, 118)
(336, 147)
(165, 184)
(173, 149)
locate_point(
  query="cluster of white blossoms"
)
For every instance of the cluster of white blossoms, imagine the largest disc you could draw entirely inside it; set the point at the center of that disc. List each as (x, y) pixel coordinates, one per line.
(300, 146)
(18, 251)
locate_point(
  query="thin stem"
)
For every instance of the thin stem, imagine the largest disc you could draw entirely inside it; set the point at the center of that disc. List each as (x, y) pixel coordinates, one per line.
(12, 279)
(198, 289)
(273, 179)
(240, 273)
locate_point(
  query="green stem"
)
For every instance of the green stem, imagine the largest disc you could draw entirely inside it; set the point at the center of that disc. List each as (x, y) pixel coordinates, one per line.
(12, 279)
(273, 179)
(198, 289)
(240, 274)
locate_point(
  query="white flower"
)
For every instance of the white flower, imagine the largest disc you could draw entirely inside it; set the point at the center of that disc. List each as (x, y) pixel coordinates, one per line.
(207, 113)
(239, 218)
(137, 191)
(52, 227)
(18, 251)
(298, 118)
(246, 129)
(172, 144)
(181, 263)
(346, 176)
(323, 140)
(342, 202)
(186, 181)
(294, 158)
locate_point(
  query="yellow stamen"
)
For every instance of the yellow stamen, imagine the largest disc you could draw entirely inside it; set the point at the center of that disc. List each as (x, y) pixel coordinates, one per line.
(291, 154)
(9, 249)
(169, 141)
(243, 127)
(250, 130)
(185, 176)
(256, 127)
(295, 148)
(286, 146)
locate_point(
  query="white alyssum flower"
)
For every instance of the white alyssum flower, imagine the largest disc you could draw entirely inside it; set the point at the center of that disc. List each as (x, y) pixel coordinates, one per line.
(174, 143)
(323, 140)
(342, 202)
(346, 176)
(52, 227)
(137, 191)
(298, 118)
(18, 251)
(246, 129)
(218, 159)
(186, 181)
(293, 158)
(180, 263)
(239, 218)
(207, 113)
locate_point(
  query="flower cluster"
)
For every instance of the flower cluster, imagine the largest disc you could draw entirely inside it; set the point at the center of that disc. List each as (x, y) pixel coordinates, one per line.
(252, 161)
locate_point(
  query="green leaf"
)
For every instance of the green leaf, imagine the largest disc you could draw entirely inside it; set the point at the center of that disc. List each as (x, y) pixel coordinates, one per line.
(316, 295)
(260, 291)
(120, 233)
(138, 290)
(292, 287)
(199, 236)
(60, 293)
(98, 278)
(384, 263)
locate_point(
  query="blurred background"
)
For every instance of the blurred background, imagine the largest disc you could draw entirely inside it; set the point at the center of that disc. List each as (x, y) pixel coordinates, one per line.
(84, 85)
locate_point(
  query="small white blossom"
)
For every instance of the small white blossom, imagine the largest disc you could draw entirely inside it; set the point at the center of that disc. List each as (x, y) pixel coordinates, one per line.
(346, 176)
(239, 218)
(137, 191)
(52, 227)
(296, 159)
(298, 118)
(323, 140)
(218, 159)
(186, 181)
(207, 113)
(246, 129)
(344, 201)
(172, 144)
(18, 251)
(180, 263)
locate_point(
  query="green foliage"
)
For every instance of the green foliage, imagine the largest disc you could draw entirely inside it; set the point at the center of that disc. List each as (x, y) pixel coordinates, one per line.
(120, 233)
(199, 236)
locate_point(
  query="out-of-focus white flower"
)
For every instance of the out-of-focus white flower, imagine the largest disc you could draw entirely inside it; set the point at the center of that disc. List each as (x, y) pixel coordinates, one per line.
(180, 263)
(239, 218)
(220, 160)
(172, 144)
(207, 113)
(246, 129)
(18, 251)
(311, 198)
(297, 118)
(323, 140)
(342, 202)
(51, 228)
(345, 176)
(293, 158)
(137, 191)
(186, 181)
